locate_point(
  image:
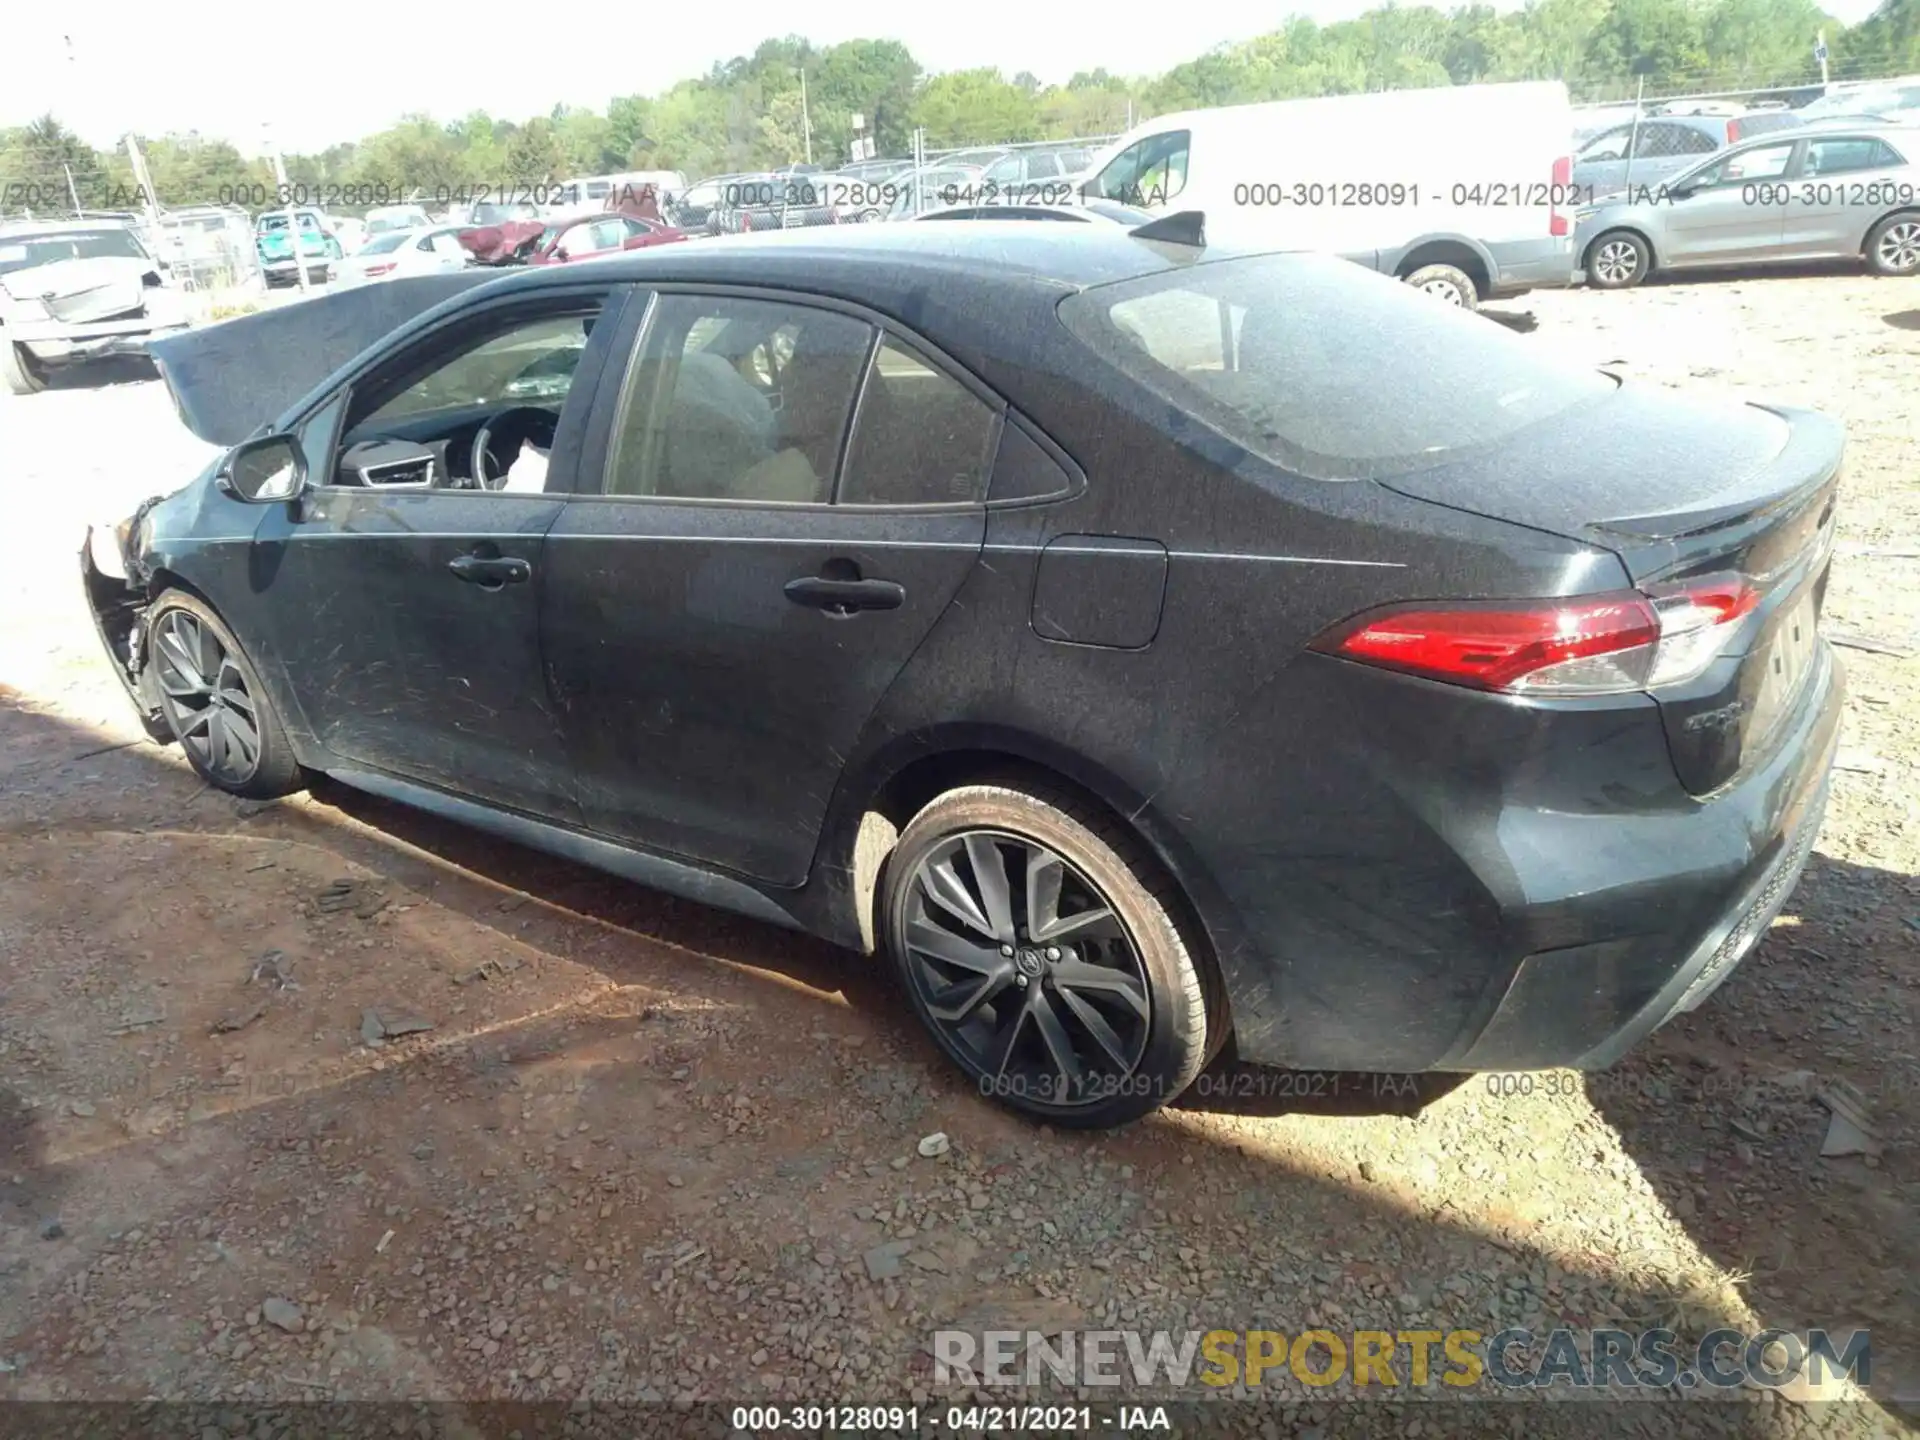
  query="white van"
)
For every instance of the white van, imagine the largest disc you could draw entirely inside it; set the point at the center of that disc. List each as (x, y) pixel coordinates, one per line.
(1466, 191)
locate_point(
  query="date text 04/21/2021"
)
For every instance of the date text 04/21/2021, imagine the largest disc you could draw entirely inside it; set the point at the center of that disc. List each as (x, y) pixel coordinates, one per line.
(1360, 194)
(962, 1419)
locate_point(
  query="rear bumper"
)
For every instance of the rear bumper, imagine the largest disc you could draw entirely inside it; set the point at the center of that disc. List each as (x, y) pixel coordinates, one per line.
(1569, 1007)
(1487, 886)
(1523, 265)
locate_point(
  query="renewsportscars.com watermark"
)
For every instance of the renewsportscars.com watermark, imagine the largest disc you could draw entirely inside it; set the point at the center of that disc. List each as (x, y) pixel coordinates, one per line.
(1455, 1360)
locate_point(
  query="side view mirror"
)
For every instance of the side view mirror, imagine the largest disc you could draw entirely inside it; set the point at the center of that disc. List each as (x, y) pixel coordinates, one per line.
(1683, 192)
(561, 253)
(265, 470)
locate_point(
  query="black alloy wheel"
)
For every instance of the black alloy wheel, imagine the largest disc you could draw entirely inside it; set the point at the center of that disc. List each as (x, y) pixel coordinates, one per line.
(213, 702)
(1061, 992)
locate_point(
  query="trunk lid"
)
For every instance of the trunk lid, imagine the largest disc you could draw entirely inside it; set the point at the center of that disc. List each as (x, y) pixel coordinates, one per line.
(1680, 490)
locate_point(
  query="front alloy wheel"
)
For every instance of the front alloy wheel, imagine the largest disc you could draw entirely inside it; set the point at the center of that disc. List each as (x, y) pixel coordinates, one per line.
(213, 702)
(1617, 261)
(1039, 959)
(206, 699)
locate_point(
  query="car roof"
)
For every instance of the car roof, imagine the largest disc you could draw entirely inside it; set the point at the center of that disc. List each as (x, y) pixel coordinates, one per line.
(27, 229)
(985, 290)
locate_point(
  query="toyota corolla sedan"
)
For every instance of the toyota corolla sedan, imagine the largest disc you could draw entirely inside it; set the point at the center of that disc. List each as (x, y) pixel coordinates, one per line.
(1139, 647)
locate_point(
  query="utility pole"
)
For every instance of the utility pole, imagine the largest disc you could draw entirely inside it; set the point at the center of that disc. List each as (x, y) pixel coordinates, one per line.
(806, 121)
(293, 228)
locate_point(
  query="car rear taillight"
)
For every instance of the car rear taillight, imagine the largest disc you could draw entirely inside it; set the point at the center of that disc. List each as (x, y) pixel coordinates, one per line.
(1733, 131)
(1608, 644)
(1557, 223)
(382, 269)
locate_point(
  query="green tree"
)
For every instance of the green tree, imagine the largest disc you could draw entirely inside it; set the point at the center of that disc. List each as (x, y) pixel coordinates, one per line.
(975, 107)
(534, 154)
(1666, 35)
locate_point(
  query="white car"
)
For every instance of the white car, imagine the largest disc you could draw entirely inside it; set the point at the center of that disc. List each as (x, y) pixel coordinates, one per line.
(78, 290)
(430, 250)
(383, 218)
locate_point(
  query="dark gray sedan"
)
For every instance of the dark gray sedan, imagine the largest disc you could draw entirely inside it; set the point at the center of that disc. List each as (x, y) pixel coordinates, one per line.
(1097, 630)
(1839, 192)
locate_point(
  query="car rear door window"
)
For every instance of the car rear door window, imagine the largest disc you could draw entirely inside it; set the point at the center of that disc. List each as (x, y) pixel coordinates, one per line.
(1322, 367)
(732, 399)
(1837, 156)
(920, 436)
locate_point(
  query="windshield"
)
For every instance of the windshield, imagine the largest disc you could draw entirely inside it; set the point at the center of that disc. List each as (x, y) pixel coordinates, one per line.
(1324, 368)
(27, 251)
(384, 244)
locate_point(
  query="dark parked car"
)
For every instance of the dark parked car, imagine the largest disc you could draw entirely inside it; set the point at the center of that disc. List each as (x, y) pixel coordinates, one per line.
(1139, 646)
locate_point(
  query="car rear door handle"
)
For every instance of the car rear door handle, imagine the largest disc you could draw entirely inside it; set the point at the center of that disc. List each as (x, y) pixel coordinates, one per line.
(490, 570)
(844, 597)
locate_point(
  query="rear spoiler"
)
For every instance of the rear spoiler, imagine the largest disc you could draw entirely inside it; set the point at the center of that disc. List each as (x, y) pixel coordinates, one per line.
(1186, 227)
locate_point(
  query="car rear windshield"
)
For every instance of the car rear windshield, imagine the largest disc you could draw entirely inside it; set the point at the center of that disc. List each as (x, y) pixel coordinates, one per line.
(381, 244)
(1323, 367)
(25, 252)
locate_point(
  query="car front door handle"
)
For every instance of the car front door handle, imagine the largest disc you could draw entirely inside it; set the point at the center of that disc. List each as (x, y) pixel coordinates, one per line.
(491, 571)
(845, 597)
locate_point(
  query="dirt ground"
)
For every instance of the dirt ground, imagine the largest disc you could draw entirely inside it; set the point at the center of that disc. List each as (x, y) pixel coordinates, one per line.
(608, 1145)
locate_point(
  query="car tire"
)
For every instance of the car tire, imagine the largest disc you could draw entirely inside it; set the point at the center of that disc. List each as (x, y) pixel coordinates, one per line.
(1447, 283)
(18, 372)
(1618, 260)
(212, 700)
(1131, 1002)
(1893, 245)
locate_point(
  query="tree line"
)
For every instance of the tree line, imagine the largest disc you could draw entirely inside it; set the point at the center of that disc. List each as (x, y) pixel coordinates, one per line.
(746, 113)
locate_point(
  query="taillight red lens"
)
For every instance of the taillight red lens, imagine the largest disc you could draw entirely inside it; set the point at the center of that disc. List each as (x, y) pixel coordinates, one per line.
(1733, 131)
(381, 269)
(1557, 223)
(1589, 645)
(1497, 648)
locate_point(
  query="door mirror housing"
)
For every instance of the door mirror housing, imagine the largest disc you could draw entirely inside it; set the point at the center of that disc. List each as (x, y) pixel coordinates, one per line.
(265, 470)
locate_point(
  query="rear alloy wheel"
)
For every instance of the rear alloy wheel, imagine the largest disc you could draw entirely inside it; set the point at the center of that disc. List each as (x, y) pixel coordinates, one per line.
(1893, 246)
(18, 370)
(1618, 260)
(1034, 947)
(1447, 283)
(214, 704)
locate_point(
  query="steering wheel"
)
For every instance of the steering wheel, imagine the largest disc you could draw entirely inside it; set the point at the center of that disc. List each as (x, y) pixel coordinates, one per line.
(518, 424)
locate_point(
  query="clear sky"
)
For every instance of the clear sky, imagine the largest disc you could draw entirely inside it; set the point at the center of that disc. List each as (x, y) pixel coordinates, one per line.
(337, 71)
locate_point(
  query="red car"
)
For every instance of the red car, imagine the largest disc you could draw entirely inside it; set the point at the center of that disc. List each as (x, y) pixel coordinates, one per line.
(631, 224)
(580, 237)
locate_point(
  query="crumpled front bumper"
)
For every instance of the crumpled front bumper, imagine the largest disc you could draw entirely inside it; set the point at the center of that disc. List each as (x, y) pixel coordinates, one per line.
(118, 607)
(54, 342)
